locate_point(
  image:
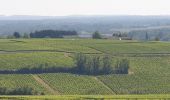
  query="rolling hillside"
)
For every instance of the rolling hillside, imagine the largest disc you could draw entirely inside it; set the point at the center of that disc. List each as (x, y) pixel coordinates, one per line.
(149, 66)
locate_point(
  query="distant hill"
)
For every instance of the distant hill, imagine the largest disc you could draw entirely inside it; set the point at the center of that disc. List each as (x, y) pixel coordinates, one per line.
(81, 24)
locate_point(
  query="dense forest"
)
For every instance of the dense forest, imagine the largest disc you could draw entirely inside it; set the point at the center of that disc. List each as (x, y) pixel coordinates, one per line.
(52, 34)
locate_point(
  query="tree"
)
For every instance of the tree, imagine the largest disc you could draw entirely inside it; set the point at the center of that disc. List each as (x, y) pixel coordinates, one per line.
(122, 66)
(81, 61)
(16, 35)
(89, 66)
(96, 35)
(107, 65)
(146, 36)
(96, 64)
(93, 64)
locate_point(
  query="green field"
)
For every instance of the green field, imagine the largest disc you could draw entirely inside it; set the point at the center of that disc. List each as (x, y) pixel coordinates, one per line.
(149, 67)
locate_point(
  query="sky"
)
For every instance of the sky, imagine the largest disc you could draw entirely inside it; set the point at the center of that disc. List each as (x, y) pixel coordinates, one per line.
(84, 7)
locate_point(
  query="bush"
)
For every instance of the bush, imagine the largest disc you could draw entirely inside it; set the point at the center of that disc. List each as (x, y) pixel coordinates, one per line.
(18, 91)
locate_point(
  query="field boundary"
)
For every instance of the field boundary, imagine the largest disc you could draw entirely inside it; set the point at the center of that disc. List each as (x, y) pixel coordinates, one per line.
(45, 85)
(30, 51)
(99, 81)
(97, 53)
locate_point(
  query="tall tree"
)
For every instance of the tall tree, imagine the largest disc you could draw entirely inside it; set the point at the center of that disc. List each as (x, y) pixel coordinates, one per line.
(81, 61)
(96, 64)
(107, 64)
(146, 36)
(16, 35)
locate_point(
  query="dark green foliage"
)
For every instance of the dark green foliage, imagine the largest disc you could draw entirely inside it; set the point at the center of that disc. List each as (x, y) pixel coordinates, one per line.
(96, 64)
(81, 61)
(107, 64)
(96, 35)
(16, 35)
(42, 68)
(18, 91)
(88, 64)
(85, 64)
(3, 91)
(119, 34)
(52, 34)
(23, 91)
(100, 65)
(122, 66)
(146, 36)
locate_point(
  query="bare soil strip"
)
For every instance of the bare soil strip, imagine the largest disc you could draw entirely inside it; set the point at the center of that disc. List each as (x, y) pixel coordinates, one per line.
(44, 84)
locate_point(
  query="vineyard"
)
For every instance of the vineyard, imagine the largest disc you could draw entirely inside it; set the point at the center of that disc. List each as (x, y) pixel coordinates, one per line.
(13, 81)
(148, 74)
(15, 61)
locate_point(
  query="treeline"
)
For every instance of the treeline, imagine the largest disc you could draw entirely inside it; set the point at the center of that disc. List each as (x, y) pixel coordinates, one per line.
(84, 64)
(97, 65)
(161, 34)
(44, 34)
(52, 34)
(120, 34)
(19, 91)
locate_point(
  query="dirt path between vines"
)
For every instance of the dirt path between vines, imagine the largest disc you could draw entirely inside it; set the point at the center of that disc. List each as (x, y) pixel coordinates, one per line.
(104, 85)
(44, 84)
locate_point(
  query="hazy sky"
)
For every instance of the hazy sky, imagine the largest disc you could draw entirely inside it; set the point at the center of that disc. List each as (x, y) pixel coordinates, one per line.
(84, 7)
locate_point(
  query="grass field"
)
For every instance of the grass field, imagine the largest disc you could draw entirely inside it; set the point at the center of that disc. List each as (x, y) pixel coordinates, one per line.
(149, 67)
